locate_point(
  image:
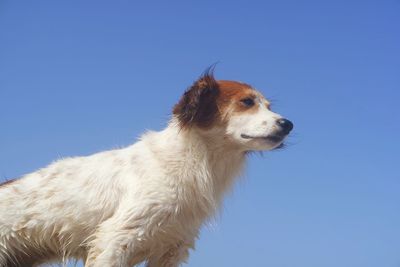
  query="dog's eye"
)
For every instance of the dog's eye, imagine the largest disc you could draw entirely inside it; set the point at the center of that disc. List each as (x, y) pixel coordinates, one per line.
(248, 102)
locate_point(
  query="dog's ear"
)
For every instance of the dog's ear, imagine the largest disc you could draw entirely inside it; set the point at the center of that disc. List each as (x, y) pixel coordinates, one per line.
(198, 105)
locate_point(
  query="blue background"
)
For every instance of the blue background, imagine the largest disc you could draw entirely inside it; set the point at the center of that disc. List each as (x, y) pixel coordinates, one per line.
(77, 77)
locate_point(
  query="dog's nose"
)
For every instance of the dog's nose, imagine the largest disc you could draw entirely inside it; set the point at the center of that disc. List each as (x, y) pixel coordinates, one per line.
(285, 124)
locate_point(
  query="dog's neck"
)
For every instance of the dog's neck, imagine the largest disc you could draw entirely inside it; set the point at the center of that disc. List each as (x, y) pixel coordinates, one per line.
(197, 159)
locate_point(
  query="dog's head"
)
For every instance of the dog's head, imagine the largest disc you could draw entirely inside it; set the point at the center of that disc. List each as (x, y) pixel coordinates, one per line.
(234, 111)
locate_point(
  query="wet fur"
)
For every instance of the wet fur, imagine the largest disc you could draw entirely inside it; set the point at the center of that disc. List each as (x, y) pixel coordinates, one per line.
(145, 202)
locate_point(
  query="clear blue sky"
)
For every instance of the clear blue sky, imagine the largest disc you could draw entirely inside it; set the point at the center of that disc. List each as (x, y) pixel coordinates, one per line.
(77, 77)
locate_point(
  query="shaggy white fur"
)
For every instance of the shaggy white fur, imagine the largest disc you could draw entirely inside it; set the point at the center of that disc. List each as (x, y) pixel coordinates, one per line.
(145, 202)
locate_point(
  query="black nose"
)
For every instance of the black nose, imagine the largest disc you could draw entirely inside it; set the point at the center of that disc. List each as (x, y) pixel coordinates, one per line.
(285, 124)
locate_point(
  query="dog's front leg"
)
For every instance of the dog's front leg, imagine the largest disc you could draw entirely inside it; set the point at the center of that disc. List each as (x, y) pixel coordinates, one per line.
(173, 256)
(115, 248)
(119, 241)
(124, 239)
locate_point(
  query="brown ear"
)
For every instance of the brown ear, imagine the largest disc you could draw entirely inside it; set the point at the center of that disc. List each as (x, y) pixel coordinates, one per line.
(198, 105)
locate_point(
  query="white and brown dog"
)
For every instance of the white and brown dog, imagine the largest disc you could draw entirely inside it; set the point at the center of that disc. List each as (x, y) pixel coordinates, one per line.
(145, 202)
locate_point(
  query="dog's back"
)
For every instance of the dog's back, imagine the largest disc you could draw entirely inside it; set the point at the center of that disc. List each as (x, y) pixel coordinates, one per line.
(51, 213)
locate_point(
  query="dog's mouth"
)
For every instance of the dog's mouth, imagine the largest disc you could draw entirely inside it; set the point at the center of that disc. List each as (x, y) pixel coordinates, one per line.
(275, 138)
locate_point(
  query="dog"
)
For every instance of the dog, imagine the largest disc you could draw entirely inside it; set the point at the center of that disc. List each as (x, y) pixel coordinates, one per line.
(144, 203)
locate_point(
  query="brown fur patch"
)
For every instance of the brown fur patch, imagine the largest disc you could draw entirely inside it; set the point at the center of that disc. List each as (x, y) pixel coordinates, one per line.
(231, 94)
(198, 104)
(207, 101)
(7, 182)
